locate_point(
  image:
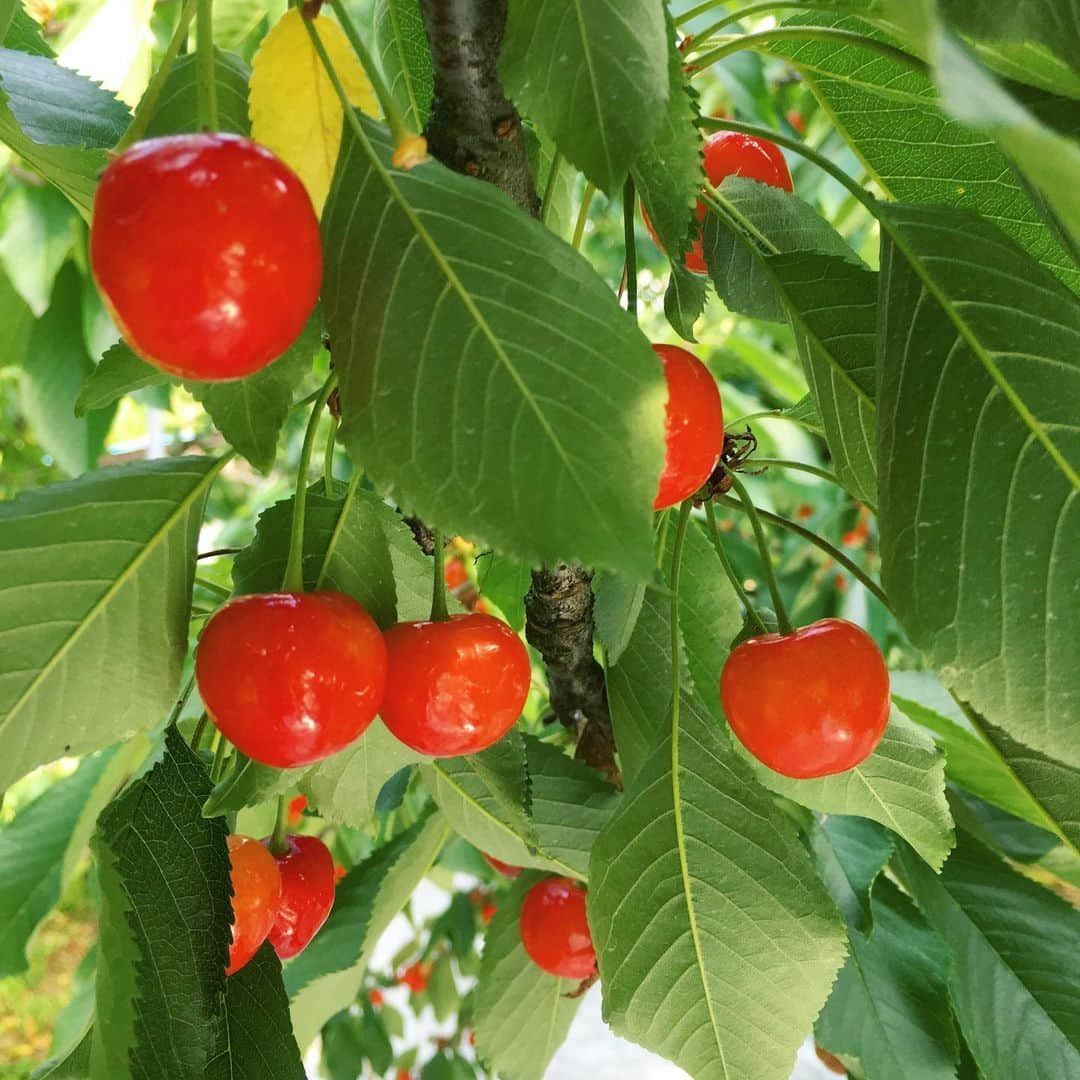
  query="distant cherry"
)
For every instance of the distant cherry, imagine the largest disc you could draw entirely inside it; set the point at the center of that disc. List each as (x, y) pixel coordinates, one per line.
(454, 573)
(291, 678)
(256, 886)
(811, 703)
(693, 426)
(307, 894)
(554, 929)
(207, 252)
(500, 867)
(487, 913)
(454, 686)
(297, 806)
(730, 153)
(415, 977)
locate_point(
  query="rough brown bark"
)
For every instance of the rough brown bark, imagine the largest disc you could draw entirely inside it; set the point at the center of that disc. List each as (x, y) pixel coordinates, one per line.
(476, 130)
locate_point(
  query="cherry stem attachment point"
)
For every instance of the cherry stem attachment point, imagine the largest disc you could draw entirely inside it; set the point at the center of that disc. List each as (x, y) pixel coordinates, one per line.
(630, 246)
(204, 60)
(676, 637)
(439, 610)
(725, 562)
(293, 580)
(782, 617)
(395, 118)
(278, 845)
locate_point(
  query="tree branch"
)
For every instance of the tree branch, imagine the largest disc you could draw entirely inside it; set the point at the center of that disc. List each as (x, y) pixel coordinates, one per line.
(475, 129)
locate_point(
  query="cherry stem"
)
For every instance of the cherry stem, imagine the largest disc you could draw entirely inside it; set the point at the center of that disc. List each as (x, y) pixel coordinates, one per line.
(822, 544)
(293, 580)
(676, 637)
(782, 618)
(725, 562)
(148, 102)
(221, 748)
(200, 728)
(808, 33)
(213, 587)
(439, 610)
(549, 187)
(182, 700)
(799, 466)
(328, 458)
(583, 216)
(629, 199)
(217, 552)
(395, 118)
(204, 59)
(278, 844)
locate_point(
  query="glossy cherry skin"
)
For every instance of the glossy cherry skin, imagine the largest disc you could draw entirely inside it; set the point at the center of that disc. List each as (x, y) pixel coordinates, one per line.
(455, 686)
(307, 894)
(554, 929)
(256, 884)
(693, 426)
(730, 153)
(207, 252)
(500, 867)
(290, 678)
(811, 703)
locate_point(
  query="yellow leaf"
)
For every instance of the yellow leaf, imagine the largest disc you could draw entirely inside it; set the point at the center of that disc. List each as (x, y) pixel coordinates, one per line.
(293, 107)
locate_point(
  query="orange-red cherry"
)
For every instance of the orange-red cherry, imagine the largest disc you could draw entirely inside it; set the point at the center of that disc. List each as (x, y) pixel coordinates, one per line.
(307, 894)
(693, 426)
(730, 153)
(207, 252)
(454, 686)
(256, 885)
(554, 929)
(500, 867)
(811, 703)
(290, 678)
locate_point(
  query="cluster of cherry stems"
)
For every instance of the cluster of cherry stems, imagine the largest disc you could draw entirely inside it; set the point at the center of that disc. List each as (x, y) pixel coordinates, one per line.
(207, 251)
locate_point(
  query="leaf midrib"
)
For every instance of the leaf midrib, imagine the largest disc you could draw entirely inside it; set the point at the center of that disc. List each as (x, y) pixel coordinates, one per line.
(122, 579)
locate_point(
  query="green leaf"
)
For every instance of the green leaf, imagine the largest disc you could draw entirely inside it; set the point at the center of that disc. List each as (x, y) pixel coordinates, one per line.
(471, 409)
(328, 975)
(176, 109)
(504, 582)
(521, 1014)
(55, 364)
(505, 773)
(901, 785)
(32, 848)
(684, 300)
(716, 942)
(251, 412)
(405, 58)
(249, 784)
(73, 1065)
(993, 766)
(38, 235)
(17, 320)
(237, 22)
(94, 607)
(20, 30)
(1012, 976)
(117, 373)
(917, 154)
(849, 853)
(258, 1042)
(980, 390)
(164, 925)
(59, 122)
(890, 1006)
(667, 172)
(594, 75)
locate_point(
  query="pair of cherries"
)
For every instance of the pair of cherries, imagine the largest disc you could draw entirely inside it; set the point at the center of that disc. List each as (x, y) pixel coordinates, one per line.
(284, 898)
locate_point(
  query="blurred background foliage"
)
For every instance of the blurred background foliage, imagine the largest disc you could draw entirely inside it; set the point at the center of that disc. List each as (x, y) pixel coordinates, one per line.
(55, 330)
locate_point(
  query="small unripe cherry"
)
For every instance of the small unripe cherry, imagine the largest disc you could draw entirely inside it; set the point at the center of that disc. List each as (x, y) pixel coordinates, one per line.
(291, 678)
(256, 886)
(307, 894)
(810, 703)
(693, 426)
(554, 929)
(207, 253)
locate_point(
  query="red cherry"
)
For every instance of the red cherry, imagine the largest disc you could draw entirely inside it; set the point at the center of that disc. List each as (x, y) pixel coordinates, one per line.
(554, 929)
(256, 885)
(297, 806)
(207, 252)
(487, 913)
(455, 573)
(810, 703)
(796, 120)
(804, 511)
(730, 153)
(500, 867)
(693, 426)
(415, 977)
(291, 678)
(307, 894)
(375, 997)
(339, 872)
(454, 686)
